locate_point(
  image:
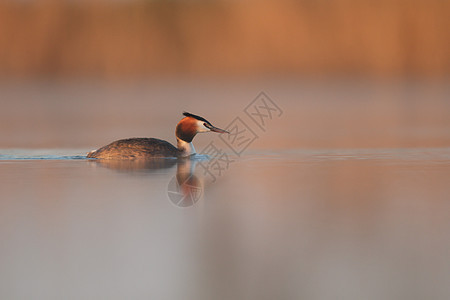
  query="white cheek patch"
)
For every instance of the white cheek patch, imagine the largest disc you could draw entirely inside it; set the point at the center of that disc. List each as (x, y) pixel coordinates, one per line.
(201, 127)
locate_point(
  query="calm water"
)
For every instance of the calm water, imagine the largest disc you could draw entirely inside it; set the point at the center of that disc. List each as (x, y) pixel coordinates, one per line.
(345, 196)
(313, 224)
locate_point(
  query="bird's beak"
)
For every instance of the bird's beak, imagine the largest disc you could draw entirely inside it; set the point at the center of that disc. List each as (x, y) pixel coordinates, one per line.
(215, 129)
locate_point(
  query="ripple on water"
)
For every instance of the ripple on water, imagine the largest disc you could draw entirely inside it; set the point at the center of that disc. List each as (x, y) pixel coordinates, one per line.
(300, 155)
(41, 154)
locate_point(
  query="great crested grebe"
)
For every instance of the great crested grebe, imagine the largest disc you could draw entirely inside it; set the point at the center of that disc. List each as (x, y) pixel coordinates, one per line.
(147, 148)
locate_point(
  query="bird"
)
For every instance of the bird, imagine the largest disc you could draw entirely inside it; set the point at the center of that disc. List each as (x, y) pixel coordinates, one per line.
(149, 148)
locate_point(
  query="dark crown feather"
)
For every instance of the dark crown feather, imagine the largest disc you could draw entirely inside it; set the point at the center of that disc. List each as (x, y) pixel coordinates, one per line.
(195, 117)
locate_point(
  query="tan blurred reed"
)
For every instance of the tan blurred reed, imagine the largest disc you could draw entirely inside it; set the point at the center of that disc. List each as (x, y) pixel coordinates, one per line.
(143, 38)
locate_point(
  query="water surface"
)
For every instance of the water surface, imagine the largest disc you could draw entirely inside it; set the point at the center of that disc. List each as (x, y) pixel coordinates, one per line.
(297, 223)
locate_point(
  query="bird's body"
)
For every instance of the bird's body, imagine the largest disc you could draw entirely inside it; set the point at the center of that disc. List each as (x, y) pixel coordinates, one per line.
(136, 148)
(148, 148)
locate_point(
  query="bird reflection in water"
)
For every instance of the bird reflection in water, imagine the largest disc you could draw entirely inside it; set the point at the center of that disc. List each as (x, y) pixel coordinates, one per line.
(136, 166)
(184, 189)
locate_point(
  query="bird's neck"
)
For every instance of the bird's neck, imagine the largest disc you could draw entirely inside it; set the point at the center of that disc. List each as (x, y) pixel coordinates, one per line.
(186, 148)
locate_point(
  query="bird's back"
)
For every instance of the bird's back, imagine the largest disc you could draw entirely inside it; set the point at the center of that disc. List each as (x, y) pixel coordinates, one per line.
(136, 148)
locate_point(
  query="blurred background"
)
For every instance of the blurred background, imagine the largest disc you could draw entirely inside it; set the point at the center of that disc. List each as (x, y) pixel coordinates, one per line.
(80, 73)
(127, 39)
